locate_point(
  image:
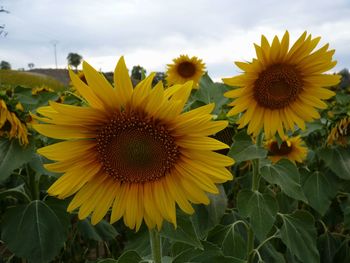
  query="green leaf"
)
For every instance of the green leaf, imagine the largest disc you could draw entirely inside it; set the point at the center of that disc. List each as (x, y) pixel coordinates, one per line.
(261, 210)
(319, 190)
(17, 192)
(210, 253)
(243, 148)
(269, 254)
(210, 92)
(12, 156)
(345, 207)
(185, 231)
(285, 174)
(337, 159)
(298, 233)
(103, 231)
(129, 256)
(327, 246)
(229, 239)
(208, 216)
(33, 232)
(138, 241)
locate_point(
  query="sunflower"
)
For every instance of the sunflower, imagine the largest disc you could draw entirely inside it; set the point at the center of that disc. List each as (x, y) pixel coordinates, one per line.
(290, 148)
(283, 86)
(185, 69)
(41, 89)
(133, 150)
(11, 126)
(340, 133)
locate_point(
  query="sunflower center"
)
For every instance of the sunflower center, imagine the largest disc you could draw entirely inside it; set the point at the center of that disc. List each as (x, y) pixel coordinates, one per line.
(135, 149)
(277, 86)
(186, 69)
(283, 149)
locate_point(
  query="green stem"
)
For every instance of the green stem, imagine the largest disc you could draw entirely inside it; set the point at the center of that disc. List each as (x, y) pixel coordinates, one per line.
(33, 184)
(155, 245)
(255, 187)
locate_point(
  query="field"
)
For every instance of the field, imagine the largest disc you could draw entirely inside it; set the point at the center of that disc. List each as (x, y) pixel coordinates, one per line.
(283, 199)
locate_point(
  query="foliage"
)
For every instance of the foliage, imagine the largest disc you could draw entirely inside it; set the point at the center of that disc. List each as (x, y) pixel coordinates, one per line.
(74, 59)
(294, 213)
(5, 65)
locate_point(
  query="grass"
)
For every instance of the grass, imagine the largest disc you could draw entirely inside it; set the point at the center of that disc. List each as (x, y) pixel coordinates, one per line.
(13, 78)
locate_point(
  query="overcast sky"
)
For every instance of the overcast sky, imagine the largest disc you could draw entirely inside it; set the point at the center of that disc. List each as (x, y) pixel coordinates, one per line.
(151, 33)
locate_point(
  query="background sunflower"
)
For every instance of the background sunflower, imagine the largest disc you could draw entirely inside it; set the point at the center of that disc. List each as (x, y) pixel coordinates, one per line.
(184, 69)
(282, 87)
(292, 148)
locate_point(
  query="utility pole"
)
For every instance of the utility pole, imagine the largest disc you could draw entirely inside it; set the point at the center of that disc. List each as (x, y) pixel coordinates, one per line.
(54, 43)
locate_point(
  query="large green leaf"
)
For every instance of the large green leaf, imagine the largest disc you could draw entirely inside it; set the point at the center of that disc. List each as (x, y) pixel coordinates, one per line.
(285, 174)
(33, 232)
(12, 156)
(338, 160)
(327, 246)
(319, 190)
(129, 256)
(209, 254)
(298, 233)
(103, 231)
(270, 255)
(185, 231)
(261, 210)
(208, 216)
(244, 149)
(139, 241)
(229, 239)
(210, 92)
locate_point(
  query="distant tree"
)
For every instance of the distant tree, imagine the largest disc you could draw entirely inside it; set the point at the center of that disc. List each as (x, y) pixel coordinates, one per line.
(5, 65)
(137, 72)
(345, 78)
(31, 65)
(74, 59)
(160, 76)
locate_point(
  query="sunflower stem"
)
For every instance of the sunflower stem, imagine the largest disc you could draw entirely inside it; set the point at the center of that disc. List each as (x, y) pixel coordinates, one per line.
(156, 245)
(255, 187)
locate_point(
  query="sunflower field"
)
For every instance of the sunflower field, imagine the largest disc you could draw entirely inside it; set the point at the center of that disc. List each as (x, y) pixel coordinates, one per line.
(255, 168)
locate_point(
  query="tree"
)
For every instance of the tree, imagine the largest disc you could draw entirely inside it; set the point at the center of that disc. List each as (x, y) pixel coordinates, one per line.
(31, 65)
(74, 59)
(137, 72)
(5, 65)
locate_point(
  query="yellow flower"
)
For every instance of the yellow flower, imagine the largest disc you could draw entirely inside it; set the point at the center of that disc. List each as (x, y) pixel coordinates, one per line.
(291, 148)
(42, 88)
(133, 150)
(340, 133)
(19, 106)
(283, 86)
(11, 126)
(185, 69)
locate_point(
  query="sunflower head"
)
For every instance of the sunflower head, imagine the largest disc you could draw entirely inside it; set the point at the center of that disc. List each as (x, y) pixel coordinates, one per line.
(132, 150)
(339, 134)
(10, 124)
(282, 87)
(184, 69)
(290, 148)
(41, 89)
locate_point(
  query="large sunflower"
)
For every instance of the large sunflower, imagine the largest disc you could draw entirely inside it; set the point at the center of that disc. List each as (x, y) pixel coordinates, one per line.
(292, 148)
(184, 69)
(132, 150)
(283, 87)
